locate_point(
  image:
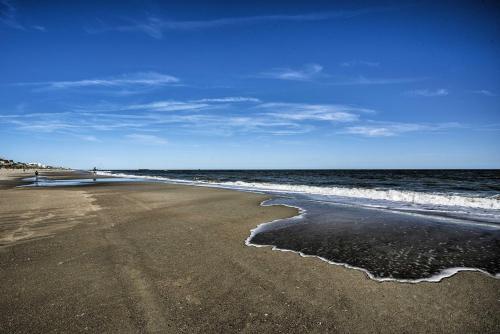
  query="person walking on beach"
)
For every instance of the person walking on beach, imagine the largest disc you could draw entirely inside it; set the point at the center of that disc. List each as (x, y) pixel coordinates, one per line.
(36, 176)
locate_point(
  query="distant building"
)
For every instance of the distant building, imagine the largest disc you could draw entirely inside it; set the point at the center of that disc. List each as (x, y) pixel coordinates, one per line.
(36, 164)
(6, 163)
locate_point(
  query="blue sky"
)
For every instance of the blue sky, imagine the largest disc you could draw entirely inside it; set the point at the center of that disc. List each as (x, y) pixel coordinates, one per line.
(250, 85)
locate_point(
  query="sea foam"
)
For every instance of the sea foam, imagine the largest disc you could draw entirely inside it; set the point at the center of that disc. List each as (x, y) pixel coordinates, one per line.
(392, 195)
(376, 194)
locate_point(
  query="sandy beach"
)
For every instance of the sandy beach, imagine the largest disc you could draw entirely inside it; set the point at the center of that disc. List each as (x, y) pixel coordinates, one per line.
(152, 257)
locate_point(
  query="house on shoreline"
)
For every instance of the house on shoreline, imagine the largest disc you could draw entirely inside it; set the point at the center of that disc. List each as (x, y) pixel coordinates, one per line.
(11, 164)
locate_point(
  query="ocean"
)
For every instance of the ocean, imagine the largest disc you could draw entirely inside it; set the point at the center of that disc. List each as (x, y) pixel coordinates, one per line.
(404, 225)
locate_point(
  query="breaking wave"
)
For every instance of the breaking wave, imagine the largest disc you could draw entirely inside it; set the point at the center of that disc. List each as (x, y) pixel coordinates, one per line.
(392, 195)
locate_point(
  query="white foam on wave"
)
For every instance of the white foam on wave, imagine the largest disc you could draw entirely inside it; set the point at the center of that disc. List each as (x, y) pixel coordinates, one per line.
(448, 272)
(377, 194)
(390, 195)
(144, 177)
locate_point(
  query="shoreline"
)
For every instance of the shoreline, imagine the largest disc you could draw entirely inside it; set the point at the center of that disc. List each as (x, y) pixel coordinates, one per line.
(403, 196)
(172, 258)
(301, 212)
(436, 278)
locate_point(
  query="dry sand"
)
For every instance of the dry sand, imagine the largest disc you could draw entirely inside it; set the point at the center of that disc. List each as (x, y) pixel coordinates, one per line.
(140, 257)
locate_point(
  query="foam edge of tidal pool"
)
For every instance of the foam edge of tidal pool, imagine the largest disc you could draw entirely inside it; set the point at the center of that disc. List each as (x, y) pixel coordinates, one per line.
(445, 273)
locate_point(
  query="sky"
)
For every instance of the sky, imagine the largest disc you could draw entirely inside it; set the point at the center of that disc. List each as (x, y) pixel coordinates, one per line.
(250, 84)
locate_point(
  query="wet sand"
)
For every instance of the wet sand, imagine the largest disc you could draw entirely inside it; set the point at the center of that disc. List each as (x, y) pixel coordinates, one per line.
(146, 257)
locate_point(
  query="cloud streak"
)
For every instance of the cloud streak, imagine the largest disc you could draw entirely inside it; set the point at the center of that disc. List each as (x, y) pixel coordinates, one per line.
(315, 112)
(314, 72)
(353, 63)
(230, 99)
(167, 106)
(215, 116)
(362, 80)
(8, 17)
(428, 92)
(144, 79)
(145, 139)
(307, 73)
(484, 92)
(155, 27)
(395, 129)
(173, 105)
(88, 138)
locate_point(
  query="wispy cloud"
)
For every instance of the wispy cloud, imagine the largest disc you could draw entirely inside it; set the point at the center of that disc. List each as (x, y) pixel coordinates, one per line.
(307, 73)
(215, 116)
(378, 129)
(88, 138)
(353, 63)
(314, 72)
(362, 80)
(8, 17)
(155, 27)
(234, 124)
(43, 125)
(39, 28)
(167, 106)
(229, 99)
(145, 79)
(146, 139)
(428, 92)
(172, 105)
(484, 92)
(316, 112)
